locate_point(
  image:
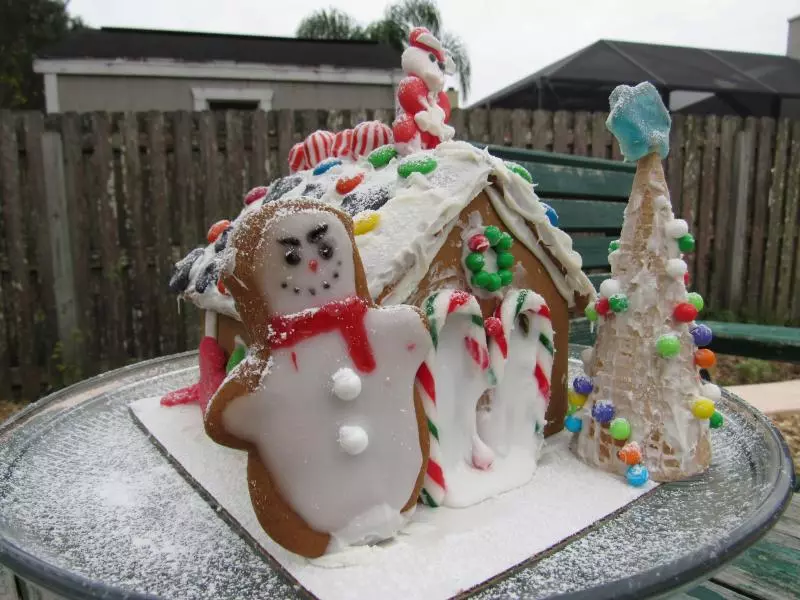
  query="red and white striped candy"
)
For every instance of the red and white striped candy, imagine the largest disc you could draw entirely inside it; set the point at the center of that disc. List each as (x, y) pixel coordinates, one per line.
(342, 143)
(318, 147)
(297, 158)
(370, 135)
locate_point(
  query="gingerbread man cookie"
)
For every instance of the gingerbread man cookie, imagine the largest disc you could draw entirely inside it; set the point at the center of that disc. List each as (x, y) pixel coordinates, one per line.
(325, 402)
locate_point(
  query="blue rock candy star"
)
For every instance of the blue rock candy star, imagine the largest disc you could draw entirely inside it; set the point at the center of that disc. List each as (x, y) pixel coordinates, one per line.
(639, 120)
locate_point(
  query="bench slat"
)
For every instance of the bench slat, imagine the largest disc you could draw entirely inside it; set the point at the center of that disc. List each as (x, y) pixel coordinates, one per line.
(760, 341)
(593, 250)
(588, 215)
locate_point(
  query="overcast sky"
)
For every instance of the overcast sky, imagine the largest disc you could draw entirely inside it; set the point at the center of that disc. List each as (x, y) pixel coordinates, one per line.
(507, 39)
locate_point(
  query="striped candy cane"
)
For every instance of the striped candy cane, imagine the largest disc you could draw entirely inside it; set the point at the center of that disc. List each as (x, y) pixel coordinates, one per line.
(438, 307)
(342, 143)
(370, 135)
(318, 147)
(297, 158)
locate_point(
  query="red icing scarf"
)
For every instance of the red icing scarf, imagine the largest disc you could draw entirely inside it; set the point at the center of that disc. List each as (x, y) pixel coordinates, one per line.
(346, 316)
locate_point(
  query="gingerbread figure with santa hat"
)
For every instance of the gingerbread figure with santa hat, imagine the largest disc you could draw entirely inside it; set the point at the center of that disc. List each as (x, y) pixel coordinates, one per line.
(425, 108)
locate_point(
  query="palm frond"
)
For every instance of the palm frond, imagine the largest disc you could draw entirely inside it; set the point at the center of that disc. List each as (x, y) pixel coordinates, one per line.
(455, 46)
(330, 24)
(415, 13)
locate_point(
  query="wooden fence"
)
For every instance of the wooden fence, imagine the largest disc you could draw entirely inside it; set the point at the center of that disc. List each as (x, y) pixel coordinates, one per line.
(95, 208)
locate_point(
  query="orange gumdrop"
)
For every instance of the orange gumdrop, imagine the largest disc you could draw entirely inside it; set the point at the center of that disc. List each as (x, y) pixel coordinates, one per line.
(630, 454)
(704, 358)
(216, 230)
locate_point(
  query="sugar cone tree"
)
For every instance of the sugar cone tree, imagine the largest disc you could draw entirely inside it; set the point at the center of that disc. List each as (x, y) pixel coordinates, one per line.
(643, 411)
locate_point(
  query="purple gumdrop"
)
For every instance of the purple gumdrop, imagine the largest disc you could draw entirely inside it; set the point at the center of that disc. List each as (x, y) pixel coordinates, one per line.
(702, 335)
(582, 385)
(603, 411)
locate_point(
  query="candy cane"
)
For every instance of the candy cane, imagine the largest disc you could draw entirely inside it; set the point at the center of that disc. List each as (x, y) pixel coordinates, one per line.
(370, 135)
(318, 147)
(438, 307)
(342, 143)
(297, 158)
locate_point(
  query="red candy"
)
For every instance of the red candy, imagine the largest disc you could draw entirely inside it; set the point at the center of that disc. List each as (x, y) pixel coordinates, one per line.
(297, 158)
(685, 312)
(255, 194)
(478, 243)
(345, 185)
(216, 230)
(493, 326)
(342, 142)
(686, 278)
(221, 288)
(602, 307)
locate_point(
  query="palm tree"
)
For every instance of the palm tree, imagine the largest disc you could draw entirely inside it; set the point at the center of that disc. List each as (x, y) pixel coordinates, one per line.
(392, 29)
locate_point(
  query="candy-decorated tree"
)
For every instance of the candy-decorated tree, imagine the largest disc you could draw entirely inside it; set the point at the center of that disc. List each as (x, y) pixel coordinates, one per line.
(644, 411)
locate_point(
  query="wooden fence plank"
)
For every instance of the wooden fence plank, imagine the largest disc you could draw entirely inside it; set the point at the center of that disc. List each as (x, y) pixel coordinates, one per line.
(77, 213)
(742, 193)
(520, 128)
(259, 169)
(674, 165)
(580, 134)
(142, 293)
(789, 254)
(562, 134)
(459, 123)
(45, 322)
(236, 175)
(212, 203)
(106, 203)
(691, 179)
(601, 137)
(478, 125)
(759, 221)
(775, 226)
(184, 198)
(542, 130)
(285, 139)
(500, 127)
(18, 294)
(706, 206)
(165, 306)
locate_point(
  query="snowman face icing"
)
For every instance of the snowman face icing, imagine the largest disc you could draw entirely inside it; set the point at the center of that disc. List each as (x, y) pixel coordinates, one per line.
(309, 262)
(425, 65)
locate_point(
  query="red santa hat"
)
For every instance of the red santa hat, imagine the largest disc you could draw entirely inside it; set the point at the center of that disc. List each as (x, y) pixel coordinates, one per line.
(421, 38)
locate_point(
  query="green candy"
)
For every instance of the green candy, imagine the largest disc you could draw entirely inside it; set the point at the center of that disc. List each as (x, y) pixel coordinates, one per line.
(591, 313)
(481, 279)
(618, 303)
(475, 261)
(620, 429)
(686, 243)
(494, 283)
(505, 277)
(696, 300)
(613, 246)
(519, 170)
(380, 157)
(668, 346)
(571, 408)
(716, 420)
(237, 356)
(504, 243)
(493, 234)
(505, 260)
(422, 165)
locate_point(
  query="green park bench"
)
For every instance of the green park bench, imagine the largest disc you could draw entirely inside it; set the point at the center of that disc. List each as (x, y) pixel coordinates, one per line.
(589, 195)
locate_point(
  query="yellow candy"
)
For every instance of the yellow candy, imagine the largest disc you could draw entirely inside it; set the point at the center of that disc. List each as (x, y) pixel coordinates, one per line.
(365, 223)
(576, 399)
(703, 408)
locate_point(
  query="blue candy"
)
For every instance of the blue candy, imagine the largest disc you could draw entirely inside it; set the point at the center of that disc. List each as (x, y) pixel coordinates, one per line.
(702, 335)
(582, 385)
(326, 165)
(573, 424)
(639, 120)
(551, 213)
(637, 475)
(603, 411)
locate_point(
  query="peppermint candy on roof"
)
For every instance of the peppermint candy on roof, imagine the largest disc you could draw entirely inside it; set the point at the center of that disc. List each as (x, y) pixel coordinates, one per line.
(342, 143)
(369, 135)
(318, 146)
(297, 158)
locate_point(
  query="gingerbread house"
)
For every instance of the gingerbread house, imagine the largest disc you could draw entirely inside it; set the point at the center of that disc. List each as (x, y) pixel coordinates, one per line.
(447, 227)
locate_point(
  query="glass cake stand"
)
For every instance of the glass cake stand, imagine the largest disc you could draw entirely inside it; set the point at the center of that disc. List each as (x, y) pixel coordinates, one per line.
(89, 508)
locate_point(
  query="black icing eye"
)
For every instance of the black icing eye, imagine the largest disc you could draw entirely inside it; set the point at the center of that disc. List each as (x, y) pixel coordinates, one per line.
(432, 56)
(441, 65)
(325, 250)
(292, 257)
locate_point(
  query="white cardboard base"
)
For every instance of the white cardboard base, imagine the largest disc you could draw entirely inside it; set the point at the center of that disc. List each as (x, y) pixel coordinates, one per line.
(443, 551)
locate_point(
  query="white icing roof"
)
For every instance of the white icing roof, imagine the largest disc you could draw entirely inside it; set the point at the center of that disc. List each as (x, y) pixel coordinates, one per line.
(412, 211)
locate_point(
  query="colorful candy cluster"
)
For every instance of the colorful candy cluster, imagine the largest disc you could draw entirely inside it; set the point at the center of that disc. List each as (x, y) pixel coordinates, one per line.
(353, 143)
(500, 242)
